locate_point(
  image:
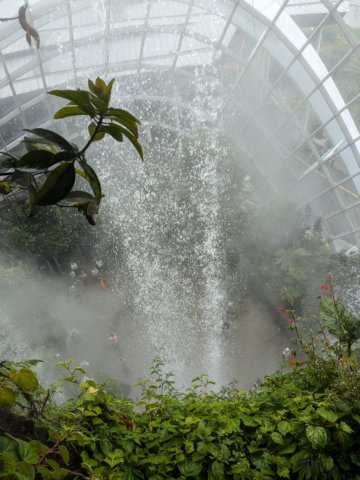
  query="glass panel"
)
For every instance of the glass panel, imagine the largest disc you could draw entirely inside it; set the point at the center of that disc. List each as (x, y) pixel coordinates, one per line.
(217, 7)
(354, 216)
(282, 177)
(129, 13)
(166, 9)
(338, 225)
(12, 129)
(327, 204)
(90, 55)
(248, 23)
(61, 62)
(124, 48)
(349, 191)
(38, 114)
(342, 165)
(209, 26)
(314, 183)
(17, 55)
(334, 45)
(159, 44)
(7, 104)
(29, 85)
(346, 77)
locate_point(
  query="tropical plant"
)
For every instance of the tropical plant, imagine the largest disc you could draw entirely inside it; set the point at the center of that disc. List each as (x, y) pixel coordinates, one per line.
(298, 424)
(47, 172)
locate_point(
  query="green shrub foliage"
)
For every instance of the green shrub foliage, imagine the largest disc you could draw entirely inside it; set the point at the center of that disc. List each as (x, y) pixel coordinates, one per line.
(300, 423)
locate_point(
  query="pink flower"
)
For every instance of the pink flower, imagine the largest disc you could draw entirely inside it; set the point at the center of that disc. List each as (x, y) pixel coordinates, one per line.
(291, 321)
(324, 286)
(279, 308)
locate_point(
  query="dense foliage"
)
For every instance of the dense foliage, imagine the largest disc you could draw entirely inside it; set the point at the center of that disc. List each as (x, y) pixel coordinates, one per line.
(300, 423)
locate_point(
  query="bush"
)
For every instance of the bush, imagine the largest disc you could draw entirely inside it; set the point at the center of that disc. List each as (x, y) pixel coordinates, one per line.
(302, 422)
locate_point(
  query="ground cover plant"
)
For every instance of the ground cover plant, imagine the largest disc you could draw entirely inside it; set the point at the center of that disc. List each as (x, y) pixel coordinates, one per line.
(302, 422)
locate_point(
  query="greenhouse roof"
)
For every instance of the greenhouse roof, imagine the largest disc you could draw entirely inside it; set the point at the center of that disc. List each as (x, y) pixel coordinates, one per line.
(286, 90)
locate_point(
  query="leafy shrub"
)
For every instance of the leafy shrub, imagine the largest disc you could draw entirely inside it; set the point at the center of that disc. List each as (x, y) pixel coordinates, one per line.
(301, 423)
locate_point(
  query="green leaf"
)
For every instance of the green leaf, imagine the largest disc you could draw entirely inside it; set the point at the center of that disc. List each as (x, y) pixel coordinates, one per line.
(8, 446)
(99, 135)
(92, 179)
(101, 89)
(328, 415)
(52, 137)
(277, 438)
(317, 436)
(188, 468)
(7, 396)
(37, 159)
(217, 471)
(285, 427)
(288, 449)
(113, 130)
(77, 197)
(24, 471)
(122, 115)
(80, 98)
(346, 428)
(99, 104)
(108, 90)
(25, 379)
(65, 455)
(27, 453)
(57, 185)
(129, 125)
(327, 462)
(69, 111)
(299, 458)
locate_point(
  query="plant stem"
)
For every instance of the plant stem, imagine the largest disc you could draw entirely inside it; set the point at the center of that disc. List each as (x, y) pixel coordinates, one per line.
(99, 123)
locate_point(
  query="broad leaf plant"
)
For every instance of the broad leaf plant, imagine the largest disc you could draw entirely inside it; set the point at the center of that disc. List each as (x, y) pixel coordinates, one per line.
(49, 168)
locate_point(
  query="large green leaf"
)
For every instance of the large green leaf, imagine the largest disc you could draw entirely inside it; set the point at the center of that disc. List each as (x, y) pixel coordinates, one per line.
(69, 111)
(99, 104)
(24, 471)
(77, 97)
(27, 453)
(57, 185)
(7, 396)
(188, 468)
(217, 471)
(92, 179)
(36, 159)
(122, 114)
(317, 436)
(52, 137)
(328, 415)
(113, 130)
(25, 379)
(8, 446)
(129, 125)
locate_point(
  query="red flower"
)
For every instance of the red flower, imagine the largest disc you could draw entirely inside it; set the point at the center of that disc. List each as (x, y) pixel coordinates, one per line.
(280, 308)
(324, 286)
(291, 321)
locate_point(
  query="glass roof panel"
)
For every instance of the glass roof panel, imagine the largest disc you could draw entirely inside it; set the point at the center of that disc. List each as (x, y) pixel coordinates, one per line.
(279, 75)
